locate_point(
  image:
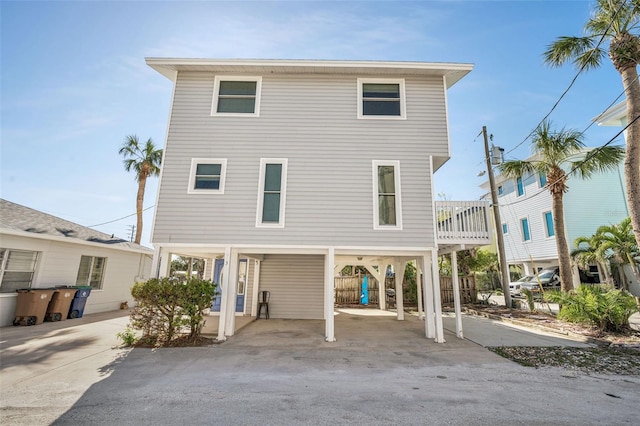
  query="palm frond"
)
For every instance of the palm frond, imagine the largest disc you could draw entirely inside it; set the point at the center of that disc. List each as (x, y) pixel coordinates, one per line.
(515, 168)
(567, 48)
(601, 159)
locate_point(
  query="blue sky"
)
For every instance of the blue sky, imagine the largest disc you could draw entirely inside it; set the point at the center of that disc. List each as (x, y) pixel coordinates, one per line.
(74, 82)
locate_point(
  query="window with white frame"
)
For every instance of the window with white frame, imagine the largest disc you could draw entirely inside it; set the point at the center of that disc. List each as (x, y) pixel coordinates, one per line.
(505, 228)
(381, 98)
(272, 193)
(524, 227)
(520, 186)
(17, 268)
(207, 176)
(91, 271)
(387, 201)
(548, 224)
(238, 96)
(542, 179)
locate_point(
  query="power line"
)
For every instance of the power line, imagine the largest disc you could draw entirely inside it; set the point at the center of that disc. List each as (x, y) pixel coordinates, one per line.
(115, 220)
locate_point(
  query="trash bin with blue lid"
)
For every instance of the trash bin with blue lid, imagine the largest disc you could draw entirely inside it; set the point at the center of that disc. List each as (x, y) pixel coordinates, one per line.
(79, 301)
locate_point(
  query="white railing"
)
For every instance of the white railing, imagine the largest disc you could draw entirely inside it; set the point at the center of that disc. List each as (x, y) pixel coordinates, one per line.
(463, 222)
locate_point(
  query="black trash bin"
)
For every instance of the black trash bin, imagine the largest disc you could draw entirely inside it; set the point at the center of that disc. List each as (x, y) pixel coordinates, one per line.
(79, 301)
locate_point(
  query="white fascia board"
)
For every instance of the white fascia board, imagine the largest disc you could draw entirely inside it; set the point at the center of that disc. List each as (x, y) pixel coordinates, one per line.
(298, 249)
(614, 116)
(68, 240)
(453, 71)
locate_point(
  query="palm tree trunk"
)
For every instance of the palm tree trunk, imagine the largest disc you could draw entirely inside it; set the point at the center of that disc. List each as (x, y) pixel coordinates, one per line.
(564, 258)
(605, 271)
(632, 159)
(142, 181)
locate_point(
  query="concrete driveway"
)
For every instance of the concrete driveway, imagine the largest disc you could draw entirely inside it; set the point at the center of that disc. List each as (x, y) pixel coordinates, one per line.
(280, 372)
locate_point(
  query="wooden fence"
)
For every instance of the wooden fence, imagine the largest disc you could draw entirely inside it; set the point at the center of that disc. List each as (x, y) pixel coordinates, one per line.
(349, 289)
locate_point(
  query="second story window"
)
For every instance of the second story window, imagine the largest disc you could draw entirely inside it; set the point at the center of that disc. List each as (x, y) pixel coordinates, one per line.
(542, 179)
(272, 193)
(207, 176)
(548, 223)
(524, 225)
(520, 186)
(236, 96)
(381, 98)
(388, 205)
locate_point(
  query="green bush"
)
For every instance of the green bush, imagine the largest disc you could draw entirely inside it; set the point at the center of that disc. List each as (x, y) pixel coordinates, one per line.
(164, 306)
(606, 308)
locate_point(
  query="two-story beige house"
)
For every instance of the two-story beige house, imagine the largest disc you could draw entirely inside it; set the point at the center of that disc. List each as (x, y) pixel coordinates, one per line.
(281, 172)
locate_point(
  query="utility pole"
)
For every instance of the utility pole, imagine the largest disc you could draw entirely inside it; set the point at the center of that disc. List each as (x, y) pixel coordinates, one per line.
(132, 232)
(504, 269)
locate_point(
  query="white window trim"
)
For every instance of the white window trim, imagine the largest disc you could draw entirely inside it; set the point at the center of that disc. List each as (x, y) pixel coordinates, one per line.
(544, 222)
(216, 90)
(398, 194)
(104, 271)
(403, 103)
(192, 175)
(283, 192)
(528, 227)
(524, 189)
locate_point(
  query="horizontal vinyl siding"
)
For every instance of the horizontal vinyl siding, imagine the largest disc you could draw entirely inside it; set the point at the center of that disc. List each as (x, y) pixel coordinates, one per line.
(311, 121)
(296, 283)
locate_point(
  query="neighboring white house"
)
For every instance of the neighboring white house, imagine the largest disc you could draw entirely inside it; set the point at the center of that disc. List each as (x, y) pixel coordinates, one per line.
(38, 250)
(282, 172)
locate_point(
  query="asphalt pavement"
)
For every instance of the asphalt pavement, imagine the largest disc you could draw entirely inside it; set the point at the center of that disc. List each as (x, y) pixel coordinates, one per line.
(281, 372)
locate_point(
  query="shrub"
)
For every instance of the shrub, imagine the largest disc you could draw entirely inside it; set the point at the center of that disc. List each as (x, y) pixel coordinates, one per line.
(165, 305)
(606, 308)
(127, 336)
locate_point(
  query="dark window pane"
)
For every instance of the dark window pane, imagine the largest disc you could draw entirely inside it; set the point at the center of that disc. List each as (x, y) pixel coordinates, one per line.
(372, 90)
(207, 183)
(240, 105)
(273, 177)
(271, 208)
(237, 88)
(386, 180)
(387, 209)
(208, 169)
(11, 281)
(381, 108)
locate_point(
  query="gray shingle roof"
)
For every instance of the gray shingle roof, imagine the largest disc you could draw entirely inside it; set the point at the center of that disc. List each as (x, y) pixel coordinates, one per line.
(20, 218)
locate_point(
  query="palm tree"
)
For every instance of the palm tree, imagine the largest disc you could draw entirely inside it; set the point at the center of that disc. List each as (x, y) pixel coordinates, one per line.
(551, 150)
(615, 22)
(587, 253)
(145, 160)
(618, 241)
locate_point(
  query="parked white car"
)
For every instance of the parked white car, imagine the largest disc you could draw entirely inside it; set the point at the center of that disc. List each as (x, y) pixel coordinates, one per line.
(515, 287)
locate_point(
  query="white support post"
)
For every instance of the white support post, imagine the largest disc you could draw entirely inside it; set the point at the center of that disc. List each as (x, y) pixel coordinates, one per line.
(256, 284)
(427, 278)
(155, 262)
(399, 267)
(224, 295)
(379, 276)
(165, 263)
(437, 300)
(456, 292)
(232, 288)
(419, 288)
(329, 295)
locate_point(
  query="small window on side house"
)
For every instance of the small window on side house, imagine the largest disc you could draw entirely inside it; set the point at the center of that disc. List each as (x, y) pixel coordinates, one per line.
(505, 229)
(548, 222)
(17, 268)
(381, 98)
(91, 271)
(524, 225)
(207, 176)
(542, 179)
(520, 186)
(387, 200)
(236, 96)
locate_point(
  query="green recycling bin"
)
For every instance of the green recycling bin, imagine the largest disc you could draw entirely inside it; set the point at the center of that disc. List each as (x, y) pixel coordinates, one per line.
(31, 305)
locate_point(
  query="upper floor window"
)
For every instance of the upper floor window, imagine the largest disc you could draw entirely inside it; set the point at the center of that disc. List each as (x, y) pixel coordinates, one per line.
(505, 228)
(520, 186)
(381, 98)
(17, 268)
(91, 271)
(207, 176)
(387, 201)
(500, 190)
(542, 179)
(272, 192)
(548, 222)
(524, 225)
(237, 96)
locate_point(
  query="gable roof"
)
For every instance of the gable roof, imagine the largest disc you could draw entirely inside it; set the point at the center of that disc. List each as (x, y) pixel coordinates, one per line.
(16, 219)
(452, 71)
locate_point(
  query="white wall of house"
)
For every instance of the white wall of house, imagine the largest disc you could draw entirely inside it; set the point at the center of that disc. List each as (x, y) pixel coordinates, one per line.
(58, 263)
